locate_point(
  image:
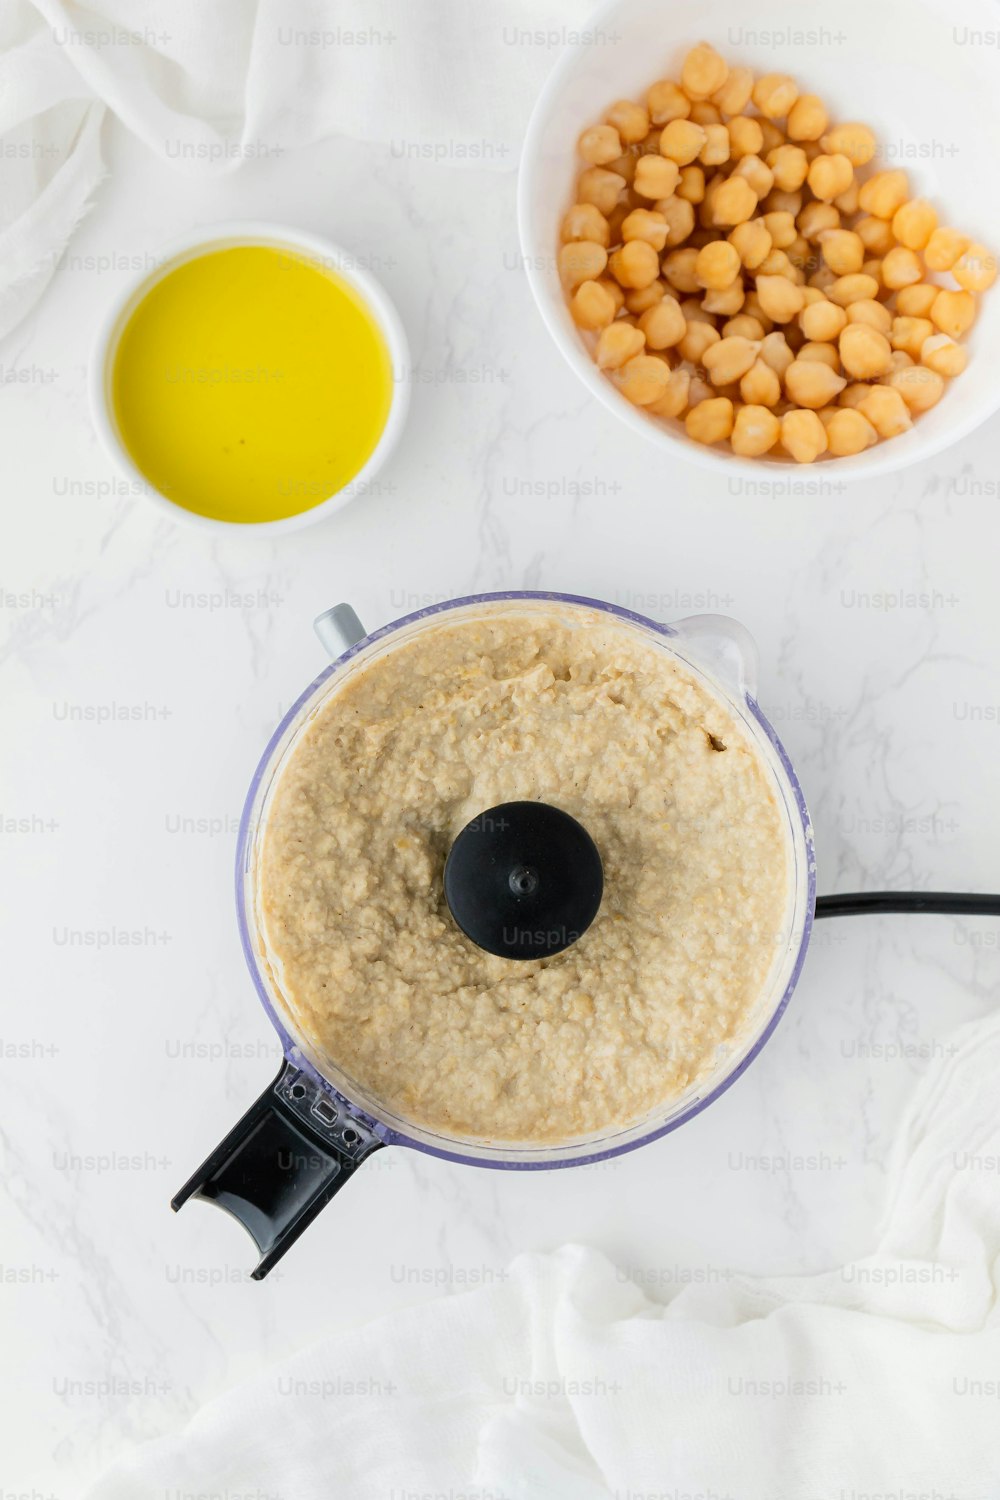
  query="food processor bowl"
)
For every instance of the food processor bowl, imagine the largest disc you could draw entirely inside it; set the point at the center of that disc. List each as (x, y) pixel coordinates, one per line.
(315, 1125)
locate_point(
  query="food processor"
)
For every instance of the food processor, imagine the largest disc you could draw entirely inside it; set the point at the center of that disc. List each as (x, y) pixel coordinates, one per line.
(522, 880)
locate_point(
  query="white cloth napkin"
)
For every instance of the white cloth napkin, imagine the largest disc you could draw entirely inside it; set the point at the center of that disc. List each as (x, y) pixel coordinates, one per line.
(210, 84)
(881, 1378)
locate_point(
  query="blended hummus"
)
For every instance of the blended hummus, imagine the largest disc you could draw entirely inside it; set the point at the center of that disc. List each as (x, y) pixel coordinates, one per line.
(556, 704)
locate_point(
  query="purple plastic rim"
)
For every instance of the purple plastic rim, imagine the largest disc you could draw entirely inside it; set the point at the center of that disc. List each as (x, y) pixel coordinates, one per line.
(389, 1134)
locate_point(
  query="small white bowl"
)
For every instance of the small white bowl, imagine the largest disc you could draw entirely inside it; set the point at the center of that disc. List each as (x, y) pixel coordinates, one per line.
(912, 69)
(225, 236)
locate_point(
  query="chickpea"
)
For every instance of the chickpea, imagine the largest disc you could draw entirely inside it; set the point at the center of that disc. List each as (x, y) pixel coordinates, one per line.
(824, 354)
(780, 298)
(636, 264)
(700, 390)
(822, 320)
(692, 184)
(847, 201)
(864, 352)
(843, 251)
(710, 421)
(849, 431)
(944, 248)
(752, 308)
(745, 137)
(733, 96)
(625, 166)
(643, 379)
(592, 305)
(599, 145)
(581, 260)
(631, 121)
(703, 71)
(641, 299)
(853, 288)
(884, 193)
(645, 224)
(824, 279)
(666, 102)
(697, 340)
(867, 310)
(776, 354)
(743, 326)
(585, 222)
(681, 141)
(916, 301)
(901, 267)
(829, 176)
(778, 264)
(886, 411)
(976, 269)
(725, 300)
(910, 334)
(920, 387)
(655, 177)
(803, 436)
(914, 223)
(756, 173)
(778, 201)
(755, 431)
(953, 312)
(853, 395)
(716, 148)
(678, 216)
(900, 360)
(810, 383)
(817, 219)
(734, 203)
(619, 342)
(678, 268)
(943, 355)
(774, 95)
(875, 234)
(614, 291)
(760, 385)
(773, 136)
(663, 325)
(807, 118)
(695, 313)
(751, 242)
(600, 187)
(781, 228)
(801, 255)
(674, 398)
(790, 167)
(729, 359)
(852, 140)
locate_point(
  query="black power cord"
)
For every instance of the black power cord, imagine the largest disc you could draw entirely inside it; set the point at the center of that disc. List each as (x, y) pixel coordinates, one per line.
(948, 902)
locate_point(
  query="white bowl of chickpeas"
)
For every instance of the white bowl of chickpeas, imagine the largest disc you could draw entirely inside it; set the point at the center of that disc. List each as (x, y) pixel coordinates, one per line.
(774, 246)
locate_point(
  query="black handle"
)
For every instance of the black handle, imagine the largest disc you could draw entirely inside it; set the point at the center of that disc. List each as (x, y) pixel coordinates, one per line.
(291, 1152)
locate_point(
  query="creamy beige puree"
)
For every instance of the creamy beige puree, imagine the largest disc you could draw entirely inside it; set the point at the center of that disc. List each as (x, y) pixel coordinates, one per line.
(562, 706)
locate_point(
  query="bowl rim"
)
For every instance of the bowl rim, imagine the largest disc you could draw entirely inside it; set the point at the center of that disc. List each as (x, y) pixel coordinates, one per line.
(908, 448)
(202, 239)
(454, 1149)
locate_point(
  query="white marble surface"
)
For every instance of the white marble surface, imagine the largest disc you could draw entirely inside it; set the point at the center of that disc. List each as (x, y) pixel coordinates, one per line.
(120, 1319)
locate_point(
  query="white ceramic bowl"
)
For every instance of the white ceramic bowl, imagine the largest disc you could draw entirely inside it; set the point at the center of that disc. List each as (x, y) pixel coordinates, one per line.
(922, 73)
(224, 236)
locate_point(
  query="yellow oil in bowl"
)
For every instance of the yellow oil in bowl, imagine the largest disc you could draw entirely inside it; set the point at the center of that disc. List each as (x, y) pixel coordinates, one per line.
(250, 384)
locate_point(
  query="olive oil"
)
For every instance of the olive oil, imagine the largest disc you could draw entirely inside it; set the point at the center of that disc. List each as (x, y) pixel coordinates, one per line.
(250, 384)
